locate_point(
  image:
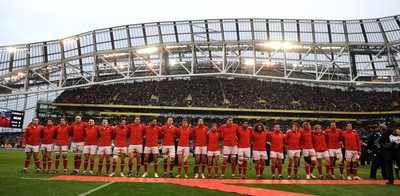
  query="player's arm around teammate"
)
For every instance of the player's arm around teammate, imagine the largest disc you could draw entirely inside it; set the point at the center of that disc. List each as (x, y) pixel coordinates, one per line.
(63, 134)
(48, 135)
(292, 139)
(120, 136)
(243, 134)
(321, 148)
(135, 148)
(91, 145)
(31, 142)
(184, 134)
(259, 138)
(200, 147)
(213, 150)
(168, 135)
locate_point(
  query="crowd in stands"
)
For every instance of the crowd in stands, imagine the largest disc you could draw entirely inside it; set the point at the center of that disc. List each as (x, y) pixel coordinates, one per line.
(233, 93)
(10, 139)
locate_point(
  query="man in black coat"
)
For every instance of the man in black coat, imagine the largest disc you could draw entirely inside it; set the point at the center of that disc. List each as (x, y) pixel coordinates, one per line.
(390, 143)
(377, 154)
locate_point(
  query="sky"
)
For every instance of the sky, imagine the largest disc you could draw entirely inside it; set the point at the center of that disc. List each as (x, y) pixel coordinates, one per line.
(28, 21)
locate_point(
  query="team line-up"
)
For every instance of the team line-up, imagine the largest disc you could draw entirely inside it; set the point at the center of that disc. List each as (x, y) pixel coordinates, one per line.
(314, 145)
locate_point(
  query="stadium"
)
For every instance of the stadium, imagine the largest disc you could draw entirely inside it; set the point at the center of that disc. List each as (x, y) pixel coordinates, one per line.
(269, 71)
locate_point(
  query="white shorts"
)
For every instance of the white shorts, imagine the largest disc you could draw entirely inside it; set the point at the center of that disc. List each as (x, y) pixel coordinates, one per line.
(58, 148)
(352, 154)
(308, 152)
(169, 150)
(151, 150)
(244, 152)
(119, 150)
(323, 154)
(77, 146)
(91, 149)
(257, 155)
(135, 149)
(48, 147)
(30, 148)
(274, 154)
(230, 150)
(104, 150)
(184, 150)
(200, 150)
(293, 153)
(213, 153)
(335, 153)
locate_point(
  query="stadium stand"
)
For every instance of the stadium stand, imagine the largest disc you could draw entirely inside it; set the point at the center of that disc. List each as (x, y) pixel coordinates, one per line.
(234, 93)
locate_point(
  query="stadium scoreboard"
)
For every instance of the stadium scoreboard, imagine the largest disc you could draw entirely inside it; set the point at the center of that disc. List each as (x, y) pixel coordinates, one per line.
(12, 118)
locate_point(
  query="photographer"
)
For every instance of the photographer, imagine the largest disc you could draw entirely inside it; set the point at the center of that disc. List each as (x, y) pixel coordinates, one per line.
(390, 143)
(377, 154)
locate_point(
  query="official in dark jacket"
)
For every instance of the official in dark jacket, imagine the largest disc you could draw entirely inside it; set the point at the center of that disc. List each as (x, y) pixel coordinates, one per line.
(390, 143)
(377, 154)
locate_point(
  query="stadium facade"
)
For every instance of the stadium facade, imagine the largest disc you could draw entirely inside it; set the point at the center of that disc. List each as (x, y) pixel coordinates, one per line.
(361, 53)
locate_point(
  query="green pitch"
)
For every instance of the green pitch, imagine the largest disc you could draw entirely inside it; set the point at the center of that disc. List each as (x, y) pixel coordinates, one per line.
(15, 183)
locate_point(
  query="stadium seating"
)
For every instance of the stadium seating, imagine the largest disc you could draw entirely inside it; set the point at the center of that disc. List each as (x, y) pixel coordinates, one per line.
(234, 93)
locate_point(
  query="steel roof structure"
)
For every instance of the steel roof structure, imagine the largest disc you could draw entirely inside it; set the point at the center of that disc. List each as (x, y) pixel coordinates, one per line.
(350, 52)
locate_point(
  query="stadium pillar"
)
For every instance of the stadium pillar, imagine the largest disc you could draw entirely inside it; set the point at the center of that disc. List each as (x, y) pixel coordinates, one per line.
(167, 64)
(353, 65)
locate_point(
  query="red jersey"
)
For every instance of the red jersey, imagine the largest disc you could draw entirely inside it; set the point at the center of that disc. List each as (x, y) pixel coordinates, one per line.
(120, 136)
(136, 134)
(277, 139)
(213, 140)
(78, 130)
(62, 135)
(32, 135)
(4, 122)
(229, 134)
(105, 134)
(168, 133)
(200, 135)
(48, 134)
(306, 139)
(92, 135)
(152, 133)
(259, 140)
(319, 141)
(334, 136)
(184, 135)
(351, 140)
(244, 135)
(293, 140)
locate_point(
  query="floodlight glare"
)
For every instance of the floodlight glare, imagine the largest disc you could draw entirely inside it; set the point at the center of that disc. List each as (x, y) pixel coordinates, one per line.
(280, 45)
(287, 46)
(11, 49)
(147, 50)
(173, 62)
(249, 62)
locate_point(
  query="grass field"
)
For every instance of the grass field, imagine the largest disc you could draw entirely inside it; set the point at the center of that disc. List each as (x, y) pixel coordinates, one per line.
(15, 183)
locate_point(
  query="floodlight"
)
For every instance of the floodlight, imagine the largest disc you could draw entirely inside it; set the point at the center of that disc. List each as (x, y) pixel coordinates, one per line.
(147, 50)
(249, 62)
(11, 49)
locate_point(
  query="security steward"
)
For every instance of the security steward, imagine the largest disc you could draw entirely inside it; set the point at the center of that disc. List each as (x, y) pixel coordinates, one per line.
(390, 143)
(377, 154)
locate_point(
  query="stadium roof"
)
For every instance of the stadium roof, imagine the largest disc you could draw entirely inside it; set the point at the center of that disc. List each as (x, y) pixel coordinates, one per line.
(351, 52)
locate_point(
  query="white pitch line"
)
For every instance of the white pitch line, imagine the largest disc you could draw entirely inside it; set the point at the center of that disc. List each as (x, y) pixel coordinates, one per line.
(95, 189)
(27, 178)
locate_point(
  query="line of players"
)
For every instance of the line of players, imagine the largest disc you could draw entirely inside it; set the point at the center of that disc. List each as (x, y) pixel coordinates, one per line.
(90, 139)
